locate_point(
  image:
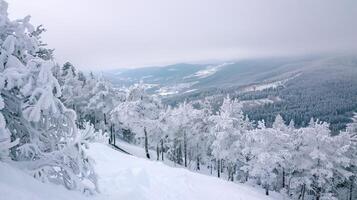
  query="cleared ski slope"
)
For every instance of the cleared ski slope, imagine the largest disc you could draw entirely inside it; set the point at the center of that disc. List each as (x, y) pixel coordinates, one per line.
(122, 176)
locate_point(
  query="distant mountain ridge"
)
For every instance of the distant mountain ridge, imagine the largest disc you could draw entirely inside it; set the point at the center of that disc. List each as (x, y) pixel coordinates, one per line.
(268, 86)
(200, 76)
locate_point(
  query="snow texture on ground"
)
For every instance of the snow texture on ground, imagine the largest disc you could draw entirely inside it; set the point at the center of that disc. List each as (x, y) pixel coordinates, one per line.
(122, 176)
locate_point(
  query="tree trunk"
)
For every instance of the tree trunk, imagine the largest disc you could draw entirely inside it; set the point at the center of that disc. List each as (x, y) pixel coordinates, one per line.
(94, 121)
(157, 152)
(267, 190)
(185, 147)
(303, 192)
(211, 170)
(146, 144)
(229, 171)
(233, 171)
(318, 193)
(283, 178)
(110, 137)
(198, 163)
(288, 186)
(218, 168)
(105, 119)
(113, 131)
(222, 166)
(179, 154)
(162, 149)
(114, 137)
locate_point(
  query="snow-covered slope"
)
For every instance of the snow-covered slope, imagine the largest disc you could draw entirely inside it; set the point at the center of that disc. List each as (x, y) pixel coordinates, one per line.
(127, 177)
(17, 185)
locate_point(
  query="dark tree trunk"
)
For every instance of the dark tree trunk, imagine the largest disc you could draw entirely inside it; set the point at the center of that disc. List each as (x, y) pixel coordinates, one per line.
(318, 193)
(267, 189)
(211, 168)
(283, 178)
(303, 192)
(110, 139)
(157, 152)
(218, 168)
(162, 150)
(198, 163)
(94, 121)
(114, 138)
(105, 119)
(111, 135)
(146, 144)
(222, 166)
(185, 147)
(113, 130)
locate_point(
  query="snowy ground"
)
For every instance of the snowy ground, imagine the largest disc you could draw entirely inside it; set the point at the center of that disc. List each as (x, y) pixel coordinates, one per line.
(17, 185)
(127, 177)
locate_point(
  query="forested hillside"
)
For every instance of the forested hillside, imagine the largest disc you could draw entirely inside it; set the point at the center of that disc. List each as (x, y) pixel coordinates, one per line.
(51, 114)
(324, 88)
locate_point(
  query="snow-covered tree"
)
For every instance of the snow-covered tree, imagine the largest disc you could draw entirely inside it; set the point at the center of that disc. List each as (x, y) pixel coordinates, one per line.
(103, 98)
(5, 140)
(139, 113)
(266, 147)
(50, 146)
(319, 160)
(351, 128)
(184, 129)
(229, 126)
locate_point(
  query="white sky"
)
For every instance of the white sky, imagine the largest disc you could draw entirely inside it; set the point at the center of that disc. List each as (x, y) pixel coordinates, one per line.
(105, 34)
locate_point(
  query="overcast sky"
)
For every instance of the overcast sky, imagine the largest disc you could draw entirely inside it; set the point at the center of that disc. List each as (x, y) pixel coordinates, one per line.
(106, 34)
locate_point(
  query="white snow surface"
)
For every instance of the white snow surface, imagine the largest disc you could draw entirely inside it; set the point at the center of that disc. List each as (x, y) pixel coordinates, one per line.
(17, 185)
(208, 71)
(274, 84)
(175, 89)
(127, 177)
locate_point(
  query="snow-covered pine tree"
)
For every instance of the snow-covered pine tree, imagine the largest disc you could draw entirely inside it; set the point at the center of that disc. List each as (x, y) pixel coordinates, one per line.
(5, 140)
(72, 87)
(50, 146)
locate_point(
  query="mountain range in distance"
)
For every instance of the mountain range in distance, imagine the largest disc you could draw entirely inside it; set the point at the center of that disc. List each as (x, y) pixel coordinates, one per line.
(298, 88)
